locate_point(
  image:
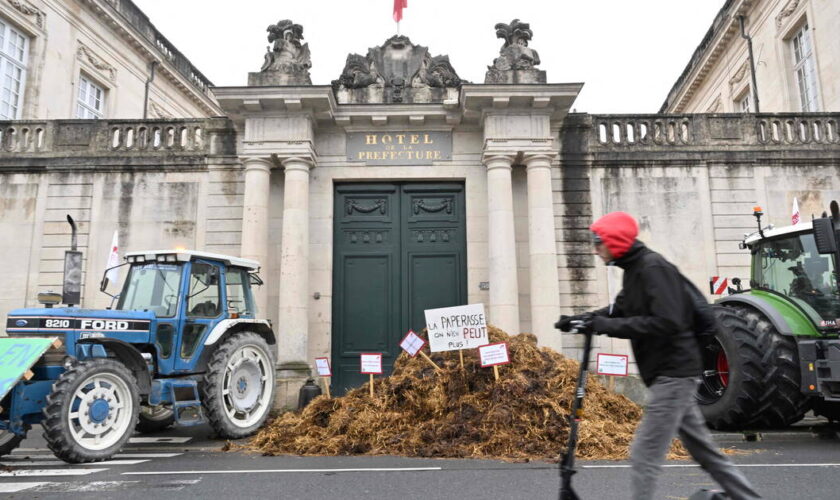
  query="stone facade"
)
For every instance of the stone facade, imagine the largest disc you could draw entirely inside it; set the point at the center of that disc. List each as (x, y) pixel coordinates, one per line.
(261, 184)
(110, 44)
(717, 79)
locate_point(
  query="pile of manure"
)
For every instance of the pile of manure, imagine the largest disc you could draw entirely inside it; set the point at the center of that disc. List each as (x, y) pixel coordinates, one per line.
(418, 411)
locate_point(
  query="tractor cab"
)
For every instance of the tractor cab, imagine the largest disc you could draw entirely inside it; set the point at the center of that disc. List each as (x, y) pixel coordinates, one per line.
(787, 263)
(191, 294)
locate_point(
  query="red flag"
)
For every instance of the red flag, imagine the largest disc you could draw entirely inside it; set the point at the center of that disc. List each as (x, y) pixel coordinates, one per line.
(399, 5)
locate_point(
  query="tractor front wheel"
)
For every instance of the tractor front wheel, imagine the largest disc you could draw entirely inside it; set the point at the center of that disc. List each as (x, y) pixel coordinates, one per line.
(239, 386)
(91, 411)
(154, 419)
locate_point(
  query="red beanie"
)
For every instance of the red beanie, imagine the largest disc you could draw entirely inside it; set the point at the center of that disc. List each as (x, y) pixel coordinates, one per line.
(618, 230)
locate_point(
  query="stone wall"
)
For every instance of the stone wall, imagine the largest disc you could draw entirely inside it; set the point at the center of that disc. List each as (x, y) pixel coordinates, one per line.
(159, 184)
(692, 182)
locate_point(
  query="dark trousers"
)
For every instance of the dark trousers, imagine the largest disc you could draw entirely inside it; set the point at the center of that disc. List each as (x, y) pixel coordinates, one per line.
(672, 411)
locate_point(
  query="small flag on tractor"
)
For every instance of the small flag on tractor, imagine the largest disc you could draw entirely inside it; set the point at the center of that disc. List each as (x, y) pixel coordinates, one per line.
(718, 285)
(794, 218)
(113, 274)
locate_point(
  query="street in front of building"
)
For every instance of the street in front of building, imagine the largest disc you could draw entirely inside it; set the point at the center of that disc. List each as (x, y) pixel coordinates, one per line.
(785, 464)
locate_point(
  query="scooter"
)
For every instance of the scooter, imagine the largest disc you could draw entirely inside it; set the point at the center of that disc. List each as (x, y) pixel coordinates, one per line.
(567, 462)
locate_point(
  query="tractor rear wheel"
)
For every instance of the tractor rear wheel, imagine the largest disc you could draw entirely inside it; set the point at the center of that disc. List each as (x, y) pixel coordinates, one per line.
(8, 442)
(91, 411)
(239, 386)
(750, 374)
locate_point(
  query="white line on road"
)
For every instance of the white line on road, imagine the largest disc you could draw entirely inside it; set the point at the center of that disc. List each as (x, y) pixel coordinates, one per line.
(255, 471)
(15, 487)
(627, 466)
(52, 463)
(23, 456)
(78, 471)
(146, 440)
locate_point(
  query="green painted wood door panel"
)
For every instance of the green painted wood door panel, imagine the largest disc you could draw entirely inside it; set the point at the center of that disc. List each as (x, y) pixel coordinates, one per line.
(399, 248)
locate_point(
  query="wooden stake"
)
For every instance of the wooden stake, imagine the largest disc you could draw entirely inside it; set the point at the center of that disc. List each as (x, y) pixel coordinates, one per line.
(461, 355)
(28, 375)
(611, 384)
(496, 372)
(427, 358)
(371, 385)
(327, 387)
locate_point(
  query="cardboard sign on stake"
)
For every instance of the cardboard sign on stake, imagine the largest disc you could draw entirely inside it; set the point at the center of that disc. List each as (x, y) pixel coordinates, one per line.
(324, 370)
(371, 364)
(494, 355)
(455, 328)
(612, 364)
(413, 344)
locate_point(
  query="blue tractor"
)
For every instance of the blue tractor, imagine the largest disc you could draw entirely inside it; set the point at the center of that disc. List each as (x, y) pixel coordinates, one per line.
(182, 345)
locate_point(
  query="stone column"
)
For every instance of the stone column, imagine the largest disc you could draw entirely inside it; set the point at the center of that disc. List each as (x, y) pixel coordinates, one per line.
(504, 286)
(293, 319)
(255, 222)
(542, 244)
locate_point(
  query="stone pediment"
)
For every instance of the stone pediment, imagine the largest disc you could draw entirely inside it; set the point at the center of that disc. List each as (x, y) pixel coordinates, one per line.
(396, 72)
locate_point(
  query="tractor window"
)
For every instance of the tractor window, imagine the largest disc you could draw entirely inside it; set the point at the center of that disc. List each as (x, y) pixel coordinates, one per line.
(793, 267)
(239, 300)
(204, 291)
(152, 287)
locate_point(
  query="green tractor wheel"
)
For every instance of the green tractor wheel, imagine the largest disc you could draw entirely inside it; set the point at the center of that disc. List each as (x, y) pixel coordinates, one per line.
(91, 411)
(750, 374)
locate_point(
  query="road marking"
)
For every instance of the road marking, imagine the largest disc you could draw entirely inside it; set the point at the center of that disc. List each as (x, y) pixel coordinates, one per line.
(627, 466)
(51, 463)
(146, 440)
(255, 471)
(23, 456)
(78, 471)
(15, 487)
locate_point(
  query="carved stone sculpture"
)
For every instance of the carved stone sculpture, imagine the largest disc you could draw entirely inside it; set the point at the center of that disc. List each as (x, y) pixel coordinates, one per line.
(287, 60)
(516, 62)
(398, 71)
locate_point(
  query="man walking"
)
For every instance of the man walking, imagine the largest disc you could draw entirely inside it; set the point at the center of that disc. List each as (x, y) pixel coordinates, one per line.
(654, 310)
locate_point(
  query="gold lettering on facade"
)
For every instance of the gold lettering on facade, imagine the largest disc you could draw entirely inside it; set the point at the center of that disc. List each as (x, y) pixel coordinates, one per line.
(427, 139)
(370, 139)
(415, 138)
(387, 139)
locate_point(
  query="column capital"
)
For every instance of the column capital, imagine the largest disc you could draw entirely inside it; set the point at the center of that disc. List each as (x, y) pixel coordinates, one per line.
(297, 163)
(538, 160)
(256, 163)
(498, 160)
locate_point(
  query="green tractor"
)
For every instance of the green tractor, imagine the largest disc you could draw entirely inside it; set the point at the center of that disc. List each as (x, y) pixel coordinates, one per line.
(777, 353)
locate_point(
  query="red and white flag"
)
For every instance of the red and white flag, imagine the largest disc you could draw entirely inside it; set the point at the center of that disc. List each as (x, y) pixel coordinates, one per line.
(113, 275)
(794, 218)
(399, 5)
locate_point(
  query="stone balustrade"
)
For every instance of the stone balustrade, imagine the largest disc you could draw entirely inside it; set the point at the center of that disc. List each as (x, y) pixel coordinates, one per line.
(212, 136)
(693, 131)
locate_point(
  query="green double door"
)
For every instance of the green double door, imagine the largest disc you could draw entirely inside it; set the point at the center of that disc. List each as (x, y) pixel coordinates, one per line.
(399, 248)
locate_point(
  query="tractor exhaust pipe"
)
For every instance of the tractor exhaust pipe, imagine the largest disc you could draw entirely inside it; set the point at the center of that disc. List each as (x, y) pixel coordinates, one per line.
(71, 292)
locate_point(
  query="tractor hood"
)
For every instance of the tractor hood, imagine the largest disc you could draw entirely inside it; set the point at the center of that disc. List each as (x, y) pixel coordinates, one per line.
(88, 323)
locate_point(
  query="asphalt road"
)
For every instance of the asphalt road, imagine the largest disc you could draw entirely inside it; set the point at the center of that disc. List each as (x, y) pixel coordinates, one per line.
(801, 463)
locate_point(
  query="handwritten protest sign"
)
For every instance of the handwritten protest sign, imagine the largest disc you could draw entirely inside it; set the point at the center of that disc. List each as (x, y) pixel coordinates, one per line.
(612, 364)
(454, 328)
(371, 364)
(323, 367)
(16, 358)
(494, 354)
(412, 343)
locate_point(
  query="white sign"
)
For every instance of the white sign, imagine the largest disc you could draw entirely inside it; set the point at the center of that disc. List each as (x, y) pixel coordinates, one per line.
(612, 364)
(323, 366)
(454, 328)
(494, 354)
(371, 363)
(412, 343)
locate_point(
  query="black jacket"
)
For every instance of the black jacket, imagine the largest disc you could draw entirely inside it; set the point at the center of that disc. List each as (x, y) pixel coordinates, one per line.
(656, 312)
